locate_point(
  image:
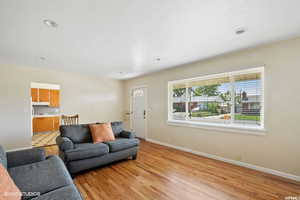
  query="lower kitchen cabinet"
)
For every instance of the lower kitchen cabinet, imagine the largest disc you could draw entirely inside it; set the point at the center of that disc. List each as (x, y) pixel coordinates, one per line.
(45, 124)
(56, 123)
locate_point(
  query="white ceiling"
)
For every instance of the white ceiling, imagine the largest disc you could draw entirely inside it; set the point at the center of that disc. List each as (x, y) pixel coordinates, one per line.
(106, 37)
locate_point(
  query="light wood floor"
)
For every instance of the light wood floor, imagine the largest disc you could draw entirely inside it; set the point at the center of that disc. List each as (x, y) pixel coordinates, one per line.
(162, 173)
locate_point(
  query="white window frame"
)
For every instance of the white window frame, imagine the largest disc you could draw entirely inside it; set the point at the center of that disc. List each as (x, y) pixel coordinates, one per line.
(236, 128)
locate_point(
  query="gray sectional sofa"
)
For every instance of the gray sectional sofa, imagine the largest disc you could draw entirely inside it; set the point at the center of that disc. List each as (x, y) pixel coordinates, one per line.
(39, 177)
(79, 153)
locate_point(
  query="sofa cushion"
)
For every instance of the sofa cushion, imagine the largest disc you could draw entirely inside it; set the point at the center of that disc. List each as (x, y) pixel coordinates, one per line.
(24, 157)
(117, 127)
(127, 134)
(3, 158)
(41, 177)
(64, 193)
(77, 133)
(121, 144)
(86, 150)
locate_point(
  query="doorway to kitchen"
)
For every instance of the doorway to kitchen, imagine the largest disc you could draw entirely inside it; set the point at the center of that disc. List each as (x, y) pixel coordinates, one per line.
(45, 120)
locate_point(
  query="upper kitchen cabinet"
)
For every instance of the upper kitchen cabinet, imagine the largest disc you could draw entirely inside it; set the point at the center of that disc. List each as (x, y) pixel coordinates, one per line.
(54, 98)
(34, 94)
(44, 95)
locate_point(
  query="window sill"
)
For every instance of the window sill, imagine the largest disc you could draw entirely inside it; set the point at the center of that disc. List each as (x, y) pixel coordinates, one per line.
(219, 127)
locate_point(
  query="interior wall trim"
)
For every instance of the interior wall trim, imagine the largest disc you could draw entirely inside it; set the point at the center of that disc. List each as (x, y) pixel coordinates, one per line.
(234, 162)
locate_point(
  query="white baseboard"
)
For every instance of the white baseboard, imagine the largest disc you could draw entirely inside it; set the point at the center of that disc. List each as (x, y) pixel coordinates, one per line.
(18, 149)
(235, 162)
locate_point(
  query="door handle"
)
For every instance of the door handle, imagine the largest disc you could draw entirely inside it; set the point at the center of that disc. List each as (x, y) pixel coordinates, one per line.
(144, 114)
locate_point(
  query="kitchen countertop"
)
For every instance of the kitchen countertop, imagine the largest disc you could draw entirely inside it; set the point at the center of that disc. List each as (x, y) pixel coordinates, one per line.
(48, 115)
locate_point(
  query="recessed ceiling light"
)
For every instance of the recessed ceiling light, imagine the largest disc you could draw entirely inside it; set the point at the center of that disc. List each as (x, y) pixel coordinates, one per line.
(240, 31)
(50, 23)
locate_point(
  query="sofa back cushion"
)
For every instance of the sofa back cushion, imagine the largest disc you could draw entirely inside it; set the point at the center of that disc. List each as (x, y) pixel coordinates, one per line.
(3, 159)
(117, 128)
(8, 189)
(77, 133)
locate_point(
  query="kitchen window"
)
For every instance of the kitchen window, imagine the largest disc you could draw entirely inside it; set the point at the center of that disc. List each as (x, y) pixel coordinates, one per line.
(232, 101)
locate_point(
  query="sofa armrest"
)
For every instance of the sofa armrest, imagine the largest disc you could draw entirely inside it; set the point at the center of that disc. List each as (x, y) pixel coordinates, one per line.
(24, 157)
(127, 134)
(64, 143)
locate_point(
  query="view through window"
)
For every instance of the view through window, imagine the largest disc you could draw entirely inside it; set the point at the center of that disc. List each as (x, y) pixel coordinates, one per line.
(233, 99)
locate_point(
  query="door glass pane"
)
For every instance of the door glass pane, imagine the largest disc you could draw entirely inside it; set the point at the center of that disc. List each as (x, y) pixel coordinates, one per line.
(138, 93)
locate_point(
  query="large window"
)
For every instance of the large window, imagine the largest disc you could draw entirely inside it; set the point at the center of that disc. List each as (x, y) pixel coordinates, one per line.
(233, 100)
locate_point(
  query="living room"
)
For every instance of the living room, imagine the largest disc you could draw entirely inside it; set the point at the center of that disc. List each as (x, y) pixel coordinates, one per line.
(176, 99)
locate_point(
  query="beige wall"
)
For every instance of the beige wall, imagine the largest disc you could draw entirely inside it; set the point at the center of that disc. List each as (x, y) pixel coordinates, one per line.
(278, 149)
(94, 99)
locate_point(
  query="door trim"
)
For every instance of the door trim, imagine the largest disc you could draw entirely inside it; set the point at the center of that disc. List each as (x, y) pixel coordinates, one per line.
(146, 107)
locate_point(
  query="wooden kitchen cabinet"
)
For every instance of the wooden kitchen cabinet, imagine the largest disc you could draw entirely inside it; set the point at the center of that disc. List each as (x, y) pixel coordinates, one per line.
(45, 124)
(42, 124)
(54, 98)
(34, 125)
(44, 95)
(34, 95)
(56, 121)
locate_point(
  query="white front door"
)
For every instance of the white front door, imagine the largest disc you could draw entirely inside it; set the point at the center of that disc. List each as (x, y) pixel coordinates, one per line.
(139, 111)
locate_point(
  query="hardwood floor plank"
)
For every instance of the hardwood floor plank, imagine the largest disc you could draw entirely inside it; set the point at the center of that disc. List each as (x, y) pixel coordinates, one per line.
(163, 173)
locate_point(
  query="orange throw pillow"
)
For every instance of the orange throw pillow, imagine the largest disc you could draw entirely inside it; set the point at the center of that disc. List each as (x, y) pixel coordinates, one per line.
(8, 189)
(102, 132)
